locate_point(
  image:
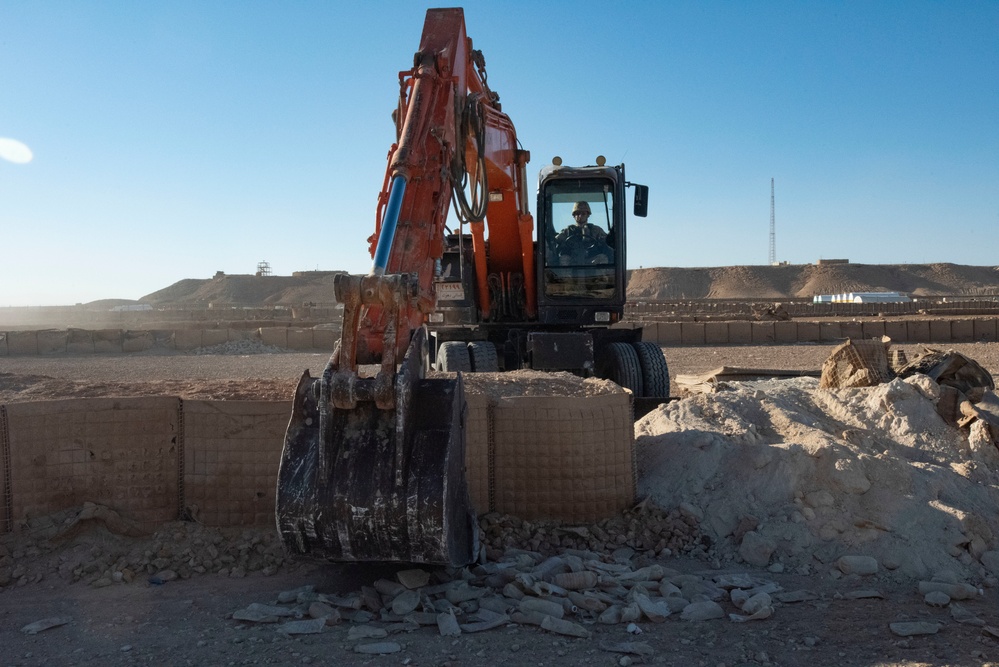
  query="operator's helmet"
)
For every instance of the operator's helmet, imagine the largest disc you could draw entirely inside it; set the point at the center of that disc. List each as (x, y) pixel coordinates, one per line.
(581, 206)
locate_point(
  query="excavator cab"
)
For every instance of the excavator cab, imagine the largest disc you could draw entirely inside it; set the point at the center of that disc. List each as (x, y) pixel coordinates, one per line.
(582, 254)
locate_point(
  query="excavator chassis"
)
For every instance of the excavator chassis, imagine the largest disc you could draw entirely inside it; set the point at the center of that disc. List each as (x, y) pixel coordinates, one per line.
(370, 484)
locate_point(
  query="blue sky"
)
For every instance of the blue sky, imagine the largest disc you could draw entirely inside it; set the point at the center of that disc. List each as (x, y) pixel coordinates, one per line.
(175, 139)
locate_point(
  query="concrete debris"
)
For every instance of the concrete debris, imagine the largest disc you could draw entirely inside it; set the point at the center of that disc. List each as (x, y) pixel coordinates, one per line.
(324, 611)
(238, 347)
(93, 545)
(962, 615)
(563, 627)
(865, 594)
(914, 628)
(859, 565)
(756, 549)
(702, 611)
(256, 611)
(366, 632)
(311, 626)
(632, 648)
(645, 528)
(936, 599)
(378, 648)
(796, 596)
(483, 620)
(957, 591)
(405, 602)
(447, 624)
(45, 624)
(415, 578)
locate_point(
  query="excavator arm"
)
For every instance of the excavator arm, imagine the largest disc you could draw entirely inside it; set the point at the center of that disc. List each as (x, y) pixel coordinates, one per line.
(373, 467)
(450, 128)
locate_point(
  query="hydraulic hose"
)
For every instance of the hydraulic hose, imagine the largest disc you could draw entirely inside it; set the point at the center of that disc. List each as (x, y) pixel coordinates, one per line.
(472, 120)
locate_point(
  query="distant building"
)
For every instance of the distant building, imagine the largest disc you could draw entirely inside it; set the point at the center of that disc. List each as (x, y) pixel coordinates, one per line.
(862, 297)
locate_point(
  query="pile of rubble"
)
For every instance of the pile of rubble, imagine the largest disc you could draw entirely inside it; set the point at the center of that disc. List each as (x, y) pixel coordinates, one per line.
(885, 457)
(96, 546)
(645, 529)
(574, 594)
(566, 595)
(239, 347)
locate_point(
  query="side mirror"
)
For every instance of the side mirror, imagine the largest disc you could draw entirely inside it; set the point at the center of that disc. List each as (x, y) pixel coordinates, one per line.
(641, 200)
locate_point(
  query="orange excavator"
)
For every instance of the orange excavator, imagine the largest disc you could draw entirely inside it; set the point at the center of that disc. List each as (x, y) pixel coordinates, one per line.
(373, 463)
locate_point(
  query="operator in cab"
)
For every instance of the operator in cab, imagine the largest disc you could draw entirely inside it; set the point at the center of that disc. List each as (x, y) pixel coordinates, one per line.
(582, 242)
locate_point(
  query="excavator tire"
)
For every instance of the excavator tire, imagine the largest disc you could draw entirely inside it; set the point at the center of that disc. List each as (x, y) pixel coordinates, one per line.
(655, 372)
(452, 357)
(484, 357)
(619, 363)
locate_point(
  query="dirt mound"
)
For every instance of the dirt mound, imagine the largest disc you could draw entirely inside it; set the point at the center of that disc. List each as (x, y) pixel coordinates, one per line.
(246, 290)
(788, 474)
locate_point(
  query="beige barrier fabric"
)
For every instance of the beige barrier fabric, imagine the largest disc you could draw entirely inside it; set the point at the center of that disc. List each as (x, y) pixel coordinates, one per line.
(232, 450)
(118, 452)
(478, 453)
(565, 458)
(149, 458)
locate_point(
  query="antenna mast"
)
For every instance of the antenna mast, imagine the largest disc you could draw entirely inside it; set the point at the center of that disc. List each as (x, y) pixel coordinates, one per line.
(773, 233)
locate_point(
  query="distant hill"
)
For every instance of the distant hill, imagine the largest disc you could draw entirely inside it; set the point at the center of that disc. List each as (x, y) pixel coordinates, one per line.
(807, 280)
(246, 290)
(654, 284)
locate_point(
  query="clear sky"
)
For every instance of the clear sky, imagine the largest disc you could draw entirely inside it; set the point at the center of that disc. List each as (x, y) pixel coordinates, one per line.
(175, 139)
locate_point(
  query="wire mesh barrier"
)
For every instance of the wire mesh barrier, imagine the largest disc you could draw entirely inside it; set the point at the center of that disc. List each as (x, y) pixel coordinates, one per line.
(158, 459)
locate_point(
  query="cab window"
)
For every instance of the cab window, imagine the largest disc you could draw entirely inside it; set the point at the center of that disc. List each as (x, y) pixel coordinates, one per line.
(579, 253)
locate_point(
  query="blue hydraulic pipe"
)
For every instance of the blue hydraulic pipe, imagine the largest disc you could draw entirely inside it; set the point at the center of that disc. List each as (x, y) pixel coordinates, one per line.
(387, 235)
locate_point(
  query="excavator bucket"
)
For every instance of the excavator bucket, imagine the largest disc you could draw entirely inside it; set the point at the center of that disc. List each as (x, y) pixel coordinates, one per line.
(368, 484)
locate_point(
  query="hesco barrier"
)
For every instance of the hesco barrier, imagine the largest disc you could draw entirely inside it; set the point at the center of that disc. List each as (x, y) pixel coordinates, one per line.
(83, 341)
(156, 459)
(794, 331)
(86, 341)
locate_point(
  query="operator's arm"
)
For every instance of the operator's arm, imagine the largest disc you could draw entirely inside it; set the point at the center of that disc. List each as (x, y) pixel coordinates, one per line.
(595, 232)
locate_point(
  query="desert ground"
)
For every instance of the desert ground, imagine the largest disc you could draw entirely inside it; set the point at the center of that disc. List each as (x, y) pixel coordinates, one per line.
(821, 610)
(778, 524)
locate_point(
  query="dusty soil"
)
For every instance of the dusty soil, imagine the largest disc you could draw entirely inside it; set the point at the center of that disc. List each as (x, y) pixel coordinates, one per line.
(274, 376)
(188, 620)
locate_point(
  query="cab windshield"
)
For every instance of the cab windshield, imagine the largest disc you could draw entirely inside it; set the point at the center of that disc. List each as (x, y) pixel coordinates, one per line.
(579, 252)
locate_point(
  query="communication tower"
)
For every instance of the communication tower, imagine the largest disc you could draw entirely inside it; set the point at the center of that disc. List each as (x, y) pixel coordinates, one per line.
(773, 233)
(263, 269)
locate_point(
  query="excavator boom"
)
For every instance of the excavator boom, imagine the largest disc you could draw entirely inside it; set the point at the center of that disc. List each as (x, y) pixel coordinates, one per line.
(373, 466)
